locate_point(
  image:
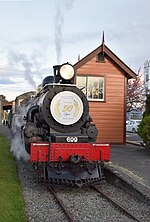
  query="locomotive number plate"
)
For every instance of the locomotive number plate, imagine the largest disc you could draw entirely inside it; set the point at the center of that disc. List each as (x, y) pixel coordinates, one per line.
(72, 139)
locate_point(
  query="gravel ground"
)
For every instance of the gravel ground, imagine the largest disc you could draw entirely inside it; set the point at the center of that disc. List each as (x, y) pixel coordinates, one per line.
(88, 205)
(85, 204)
(40, 203)
(138, 208)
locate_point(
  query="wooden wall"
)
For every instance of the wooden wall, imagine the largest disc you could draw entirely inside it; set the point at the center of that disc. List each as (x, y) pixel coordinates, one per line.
(109, 116)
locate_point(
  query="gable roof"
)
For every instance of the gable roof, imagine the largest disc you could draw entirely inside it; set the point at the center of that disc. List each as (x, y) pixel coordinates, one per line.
(103, 48)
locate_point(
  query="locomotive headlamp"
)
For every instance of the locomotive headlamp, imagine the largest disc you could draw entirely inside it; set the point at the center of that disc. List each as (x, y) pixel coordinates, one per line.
(67, 71)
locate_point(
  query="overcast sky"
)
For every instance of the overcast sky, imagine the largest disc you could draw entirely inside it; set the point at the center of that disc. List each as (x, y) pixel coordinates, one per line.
(37, 34)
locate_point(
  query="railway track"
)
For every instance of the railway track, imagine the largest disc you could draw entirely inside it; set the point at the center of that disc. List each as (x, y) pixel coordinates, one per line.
(70, 216)
(62, 205)
(117, 204)
(76, 197)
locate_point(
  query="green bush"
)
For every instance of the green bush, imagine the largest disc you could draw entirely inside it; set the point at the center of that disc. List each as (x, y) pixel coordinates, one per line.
(147, 105)
(144, 130)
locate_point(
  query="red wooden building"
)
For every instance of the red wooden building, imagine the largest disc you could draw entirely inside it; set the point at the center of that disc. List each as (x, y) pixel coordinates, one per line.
(103, 78)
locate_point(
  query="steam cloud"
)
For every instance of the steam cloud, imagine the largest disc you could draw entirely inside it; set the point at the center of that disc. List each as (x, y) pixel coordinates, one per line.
(17, 143)
(58, 33)
(21, 61)
(59, 22)
(69, 4)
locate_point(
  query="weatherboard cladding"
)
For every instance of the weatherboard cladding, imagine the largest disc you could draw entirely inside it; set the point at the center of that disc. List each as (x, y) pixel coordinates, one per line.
(107, 52)
(109, 115)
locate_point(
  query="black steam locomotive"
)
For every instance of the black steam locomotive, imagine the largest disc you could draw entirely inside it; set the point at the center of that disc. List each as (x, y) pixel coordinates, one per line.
(59, 133)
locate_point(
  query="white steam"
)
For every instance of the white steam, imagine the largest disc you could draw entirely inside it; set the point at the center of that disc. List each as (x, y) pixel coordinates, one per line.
(27, 72)
(21, 61)
(59, 22)
(17, 142)
(58, 33)
(69, 4)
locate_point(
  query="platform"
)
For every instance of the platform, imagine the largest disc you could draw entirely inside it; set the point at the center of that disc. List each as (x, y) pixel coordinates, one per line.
(132, 163)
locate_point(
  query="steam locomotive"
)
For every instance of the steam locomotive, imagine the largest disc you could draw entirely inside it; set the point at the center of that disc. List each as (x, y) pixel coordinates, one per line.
(59, 134)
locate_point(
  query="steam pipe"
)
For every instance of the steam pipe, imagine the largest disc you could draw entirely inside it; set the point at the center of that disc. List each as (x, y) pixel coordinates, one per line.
(31, 112)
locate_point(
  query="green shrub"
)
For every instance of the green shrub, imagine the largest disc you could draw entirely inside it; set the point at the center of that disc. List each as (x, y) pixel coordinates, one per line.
(144, 130)
(147, 105)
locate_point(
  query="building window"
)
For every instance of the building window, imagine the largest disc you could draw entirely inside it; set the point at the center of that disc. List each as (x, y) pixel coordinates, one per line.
(92, 86)
(100, 57)
(147, 71)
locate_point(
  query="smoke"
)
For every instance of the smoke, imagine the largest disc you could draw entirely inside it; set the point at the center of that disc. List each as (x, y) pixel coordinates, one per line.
(35, 59)
(27, 64)
(27, 72)
(58, 33)
(69, 4)
(59, 23)
(17, 142)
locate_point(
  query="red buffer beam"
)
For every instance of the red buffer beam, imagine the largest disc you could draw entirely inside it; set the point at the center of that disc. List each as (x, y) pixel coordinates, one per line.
(89, 151)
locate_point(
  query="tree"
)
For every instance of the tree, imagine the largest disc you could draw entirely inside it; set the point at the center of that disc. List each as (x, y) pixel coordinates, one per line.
(3, 97)
(135, 93)
(147, 106)
(144, 127)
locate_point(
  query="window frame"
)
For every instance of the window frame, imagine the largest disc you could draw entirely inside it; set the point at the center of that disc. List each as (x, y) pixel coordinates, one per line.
(86, 83)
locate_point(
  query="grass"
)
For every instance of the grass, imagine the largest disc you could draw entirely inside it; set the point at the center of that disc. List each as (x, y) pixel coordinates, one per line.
(11, 200)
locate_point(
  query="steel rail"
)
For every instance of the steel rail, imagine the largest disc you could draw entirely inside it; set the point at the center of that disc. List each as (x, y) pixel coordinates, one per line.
(67, 213)
(118, 205)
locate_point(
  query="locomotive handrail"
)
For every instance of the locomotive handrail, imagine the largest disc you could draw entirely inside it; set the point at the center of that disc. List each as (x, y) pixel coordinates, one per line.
(56, 84)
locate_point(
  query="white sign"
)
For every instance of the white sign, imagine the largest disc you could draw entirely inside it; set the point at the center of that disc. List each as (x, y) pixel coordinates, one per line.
(66, 108)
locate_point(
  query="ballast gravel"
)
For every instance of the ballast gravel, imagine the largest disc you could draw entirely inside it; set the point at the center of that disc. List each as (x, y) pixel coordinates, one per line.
(40, 205)
(85, 204)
